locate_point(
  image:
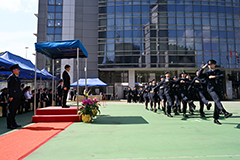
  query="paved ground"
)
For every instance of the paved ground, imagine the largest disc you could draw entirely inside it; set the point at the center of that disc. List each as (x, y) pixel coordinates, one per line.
(128, 132)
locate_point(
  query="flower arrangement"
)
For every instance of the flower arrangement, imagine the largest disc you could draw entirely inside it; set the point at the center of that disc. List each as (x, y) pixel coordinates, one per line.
(89, 109)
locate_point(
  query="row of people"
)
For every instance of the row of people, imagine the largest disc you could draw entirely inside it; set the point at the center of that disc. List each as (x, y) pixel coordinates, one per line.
(172, 92)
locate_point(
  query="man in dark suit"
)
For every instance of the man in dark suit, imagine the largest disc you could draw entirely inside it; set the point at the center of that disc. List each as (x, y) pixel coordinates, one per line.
(15, 94)
(66, 85)
(60, 92)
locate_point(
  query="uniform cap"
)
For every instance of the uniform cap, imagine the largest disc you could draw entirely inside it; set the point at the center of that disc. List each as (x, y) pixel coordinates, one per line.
(60, 81)
(184, 72)
(211, 61)
(167, 72)
(15, 66)
(162, 76)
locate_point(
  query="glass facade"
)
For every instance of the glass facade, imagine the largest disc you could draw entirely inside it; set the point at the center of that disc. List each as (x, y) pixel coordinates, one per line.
(54, 31)
(54, 20)
(163, 33)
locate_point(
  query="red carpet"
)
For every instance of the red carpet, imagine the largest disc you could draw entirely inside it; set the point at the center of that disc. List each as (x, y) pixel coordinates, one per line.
(56, 114)
(21, 143)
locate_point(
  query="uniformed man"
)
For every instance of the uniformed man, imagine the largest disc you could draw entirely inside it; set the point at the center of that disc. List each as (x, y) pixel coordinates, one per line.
(15, 94)
(60, 93)
(134, 94)
(198, 88)
(162, 96)
(183, 83)
(145, 95)
(129, 95)
(153, 96)
(167, 84)
(213, 78)
(140, 95)
(176, 95)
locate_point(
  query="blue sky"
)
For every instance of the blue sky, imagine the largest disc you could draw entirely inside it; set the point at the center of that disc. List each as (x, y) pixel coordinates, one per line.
(17, 26)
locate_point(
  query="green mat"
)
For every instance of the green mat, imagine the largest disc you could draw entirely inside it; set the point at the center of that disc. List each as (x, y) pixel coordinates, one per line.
(128, 132)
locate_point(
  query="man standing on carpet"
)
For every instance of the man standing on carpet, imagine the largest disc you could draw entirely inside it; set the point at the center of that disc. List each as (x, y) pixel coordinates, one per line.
(66, 85)
(15, 94)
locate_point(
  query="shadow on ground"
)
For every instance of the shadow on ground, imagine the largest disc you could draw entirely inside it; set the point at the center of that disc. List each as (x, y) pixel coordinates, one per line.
(22, 119)
(42, 128)
(106, 119)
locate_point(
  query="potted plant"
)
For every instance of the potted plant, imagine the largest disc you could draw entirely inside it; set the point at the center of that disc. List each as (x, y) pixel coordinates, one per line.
(89, 109)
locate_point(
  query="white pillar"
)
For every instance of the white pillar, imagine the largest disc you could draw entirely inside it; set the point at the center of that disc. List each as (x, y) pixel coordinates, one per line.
(228, 85)
(131, 78)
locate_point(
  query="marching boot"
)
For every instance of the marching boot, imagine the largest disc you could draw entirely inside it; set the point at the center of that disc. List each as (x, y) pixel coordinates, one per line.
(209, 105)
(217, 122)
(226, 114)
(185, 116)
(202, 114)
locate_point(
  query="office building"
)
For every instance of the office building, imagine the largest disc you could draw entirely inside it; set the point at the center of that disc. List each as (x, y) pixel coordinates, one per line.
(134, 41)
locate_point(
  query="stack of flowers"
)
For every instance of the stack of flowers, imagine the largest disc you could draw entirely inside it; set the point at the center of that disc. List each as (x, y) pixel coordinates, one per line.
(89, 109)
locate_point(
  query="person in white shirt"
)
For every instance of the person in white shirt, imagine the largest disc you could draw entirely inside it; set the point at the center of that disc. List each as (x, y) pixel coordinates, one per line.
(27, 96)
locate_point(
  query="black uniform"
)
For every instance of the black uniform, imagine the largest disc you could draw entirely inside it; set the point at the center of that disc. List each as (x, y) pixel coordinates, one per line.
(134, 94)
(198, 86)
(167, 86)
(66, 83)
(153, 96)
(129, 95)
(140, 96)
(183, 90)
(214, 89)
(177, 97)
(14, 91)
(60, 94)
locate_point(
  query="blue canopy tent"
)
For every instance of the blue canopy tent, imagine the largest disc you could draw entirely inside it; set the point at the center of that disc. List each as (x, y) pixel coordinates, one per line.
(27, 68)
(90, 82)
(60, 50)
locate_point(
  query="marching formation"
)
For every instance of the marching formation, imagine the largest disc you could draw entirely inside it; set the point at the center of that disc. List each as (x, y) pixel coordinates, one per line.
(171, 92)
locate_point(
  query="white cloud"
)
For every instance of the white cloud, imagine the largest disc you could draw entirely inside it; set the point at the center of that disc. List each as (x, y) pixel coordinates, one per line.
(18, 5)
(15, 42)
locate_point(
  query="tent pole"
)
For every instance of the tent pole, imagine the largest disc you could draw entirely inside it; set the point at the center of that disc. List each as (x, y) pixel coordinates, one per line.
(85, 73)
(77, 78)
(52, 80)
(35, 85)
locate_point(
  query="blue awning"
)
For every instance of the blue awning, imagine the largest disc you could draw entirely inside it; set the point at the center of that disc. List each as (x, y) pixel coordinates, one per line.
(90, 82)
(44, 71)
(27, 68)
(61, 49)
